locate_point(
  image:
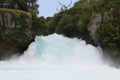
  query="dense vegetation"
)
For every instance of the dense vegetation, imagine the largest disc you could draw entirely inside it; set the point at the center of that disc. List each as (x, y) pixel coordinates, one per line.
(25, 5)
(109, 32)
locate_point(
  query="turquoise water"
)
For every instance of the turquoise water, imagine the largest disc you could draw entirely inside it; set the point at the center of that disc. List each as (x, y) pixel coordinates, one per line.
(55, 57)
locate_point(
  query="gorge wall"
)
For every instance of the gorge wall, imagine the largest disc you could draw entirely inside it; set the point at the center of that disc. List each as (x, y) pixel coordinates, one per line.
(97, 19)
(15, 34)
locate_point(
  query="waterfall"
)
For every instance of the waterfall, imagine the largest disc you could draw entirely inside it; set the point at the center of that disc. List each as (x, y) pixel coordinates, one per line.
(56, 57)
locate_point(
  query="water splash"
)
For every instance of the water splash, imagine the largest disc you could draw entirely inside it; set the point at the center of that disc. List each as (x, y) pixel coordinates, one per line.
(55, 57)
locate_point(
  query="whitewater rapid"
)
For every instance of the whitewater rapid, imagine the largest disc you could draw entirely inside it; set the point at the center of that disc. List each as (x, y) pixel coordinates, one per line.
(55, 57)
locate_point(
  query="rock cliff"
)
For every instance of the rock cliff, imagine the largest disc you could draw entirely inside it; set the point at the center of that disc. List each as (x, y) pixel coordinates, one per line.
(96, 21)
(15, 34)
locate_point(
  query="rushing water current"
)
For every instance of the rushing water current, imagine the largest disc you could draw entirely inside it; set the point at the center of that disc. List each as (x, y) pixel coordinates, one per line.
(55, 57)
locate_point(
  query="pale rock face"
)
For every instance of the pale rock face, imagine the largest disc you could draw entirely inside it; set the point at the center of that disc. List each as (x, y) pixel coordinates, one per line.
(10, 25)
(107, 16)
(6, 20)
(94, 24)
(1, 21)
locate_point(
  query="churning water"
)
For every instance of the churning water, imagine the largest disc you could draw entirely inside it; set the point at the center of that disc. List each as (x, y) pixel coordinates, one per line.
(58, 58)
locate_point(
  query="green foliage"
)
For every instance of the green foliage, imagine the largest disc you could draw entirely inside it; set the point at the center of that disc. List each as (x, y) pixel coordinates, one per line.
(24, 5)
(51, 26)
(109, 33)
(52, 23)
(109, 37)
(72, 22)
(20, 38)
(67, 26)
(39, 26)
(16, 15)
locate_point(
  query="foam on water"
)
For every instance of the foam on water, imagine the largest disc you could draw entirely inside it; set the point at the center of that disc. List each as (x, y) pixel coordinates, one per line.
(55, 57)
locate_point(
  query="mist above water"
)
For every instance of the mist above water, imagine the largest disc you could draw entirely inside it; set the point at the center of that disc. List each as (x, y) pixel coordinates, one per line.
(55, 57)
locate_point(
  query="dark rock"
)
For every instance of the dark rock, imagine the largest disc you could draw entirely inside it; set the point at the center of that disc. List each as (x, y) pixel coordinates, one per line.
(7, 50)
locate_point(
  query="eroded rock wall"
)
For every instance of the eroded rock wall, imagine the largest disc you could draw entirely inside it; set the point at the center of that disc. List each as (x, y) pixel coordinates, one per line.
(15, 34)
(96, 21)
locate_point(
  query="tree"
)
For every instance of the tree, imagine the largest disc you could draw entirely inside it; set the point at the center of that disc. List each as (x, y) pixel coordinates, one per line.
(67, 26)
(64, 7)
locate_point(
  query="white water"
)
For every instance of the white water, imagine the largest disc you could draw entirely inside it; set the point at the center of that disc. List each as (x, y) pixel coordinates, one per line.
(58, 58)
